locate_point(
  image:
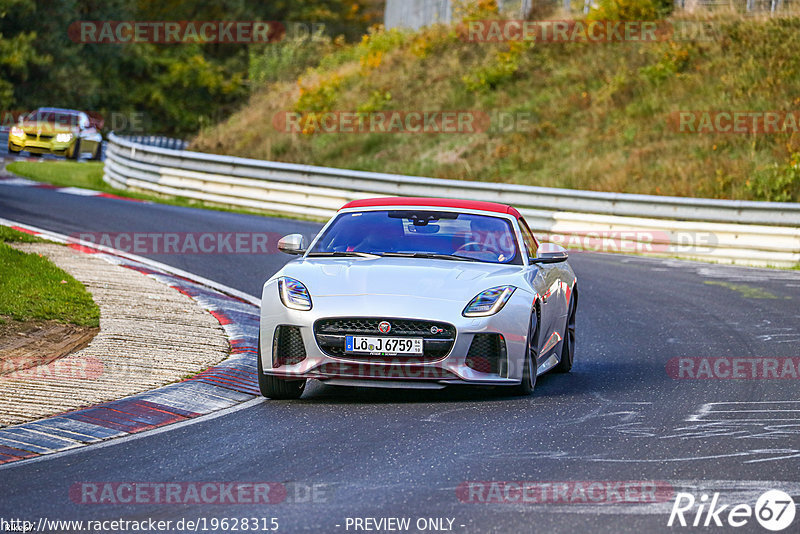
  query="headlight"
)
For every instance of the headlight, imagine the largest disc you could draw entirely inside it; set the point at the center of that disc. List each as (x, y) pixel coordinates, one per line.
(294, 294)
(63, 137)
(16, 131)
(488, 302)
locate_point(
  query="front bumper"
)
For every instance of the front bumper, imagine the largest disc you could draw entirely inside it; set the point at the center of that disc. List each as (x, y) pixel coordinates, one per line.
(511, 323)
(37, 145)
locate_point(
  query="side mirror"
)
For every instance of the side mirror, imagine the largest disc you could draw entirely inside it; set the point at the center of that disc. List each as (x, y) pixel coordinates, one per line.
(550, 253)
(294, 244)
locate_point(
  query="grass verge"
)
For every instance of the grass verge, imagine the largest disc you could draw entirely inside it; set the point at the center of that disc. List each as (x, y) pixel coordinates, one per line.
(9, 235)
(32, 288)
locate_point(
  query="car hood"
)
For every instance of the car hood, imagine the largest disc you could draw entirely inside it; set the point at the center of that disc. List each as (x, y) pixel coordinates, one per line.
(409, 277)
(49, 128)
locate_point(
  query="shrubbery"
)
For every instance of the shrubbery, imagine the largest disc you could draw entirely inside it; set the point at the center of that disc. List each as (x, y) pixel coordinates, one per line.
(597, 115)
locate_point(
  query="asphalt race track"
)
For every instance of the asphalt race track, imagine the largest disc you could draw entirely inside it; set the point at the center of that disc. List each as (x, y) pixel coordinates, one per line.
(618, 416)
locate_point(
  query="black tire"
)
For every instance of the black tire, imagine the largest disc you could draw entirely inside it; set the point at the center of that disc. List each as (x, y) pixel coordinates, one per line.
(13, 150)
(529, 368)
(34, 154)
(76, 151)
(276, 388)
(98, 150)
(568, 344)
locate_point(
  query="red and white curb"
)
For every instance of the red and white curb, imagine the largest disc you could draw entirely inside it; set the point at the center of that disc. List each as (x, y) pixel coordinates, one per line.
(223, 386)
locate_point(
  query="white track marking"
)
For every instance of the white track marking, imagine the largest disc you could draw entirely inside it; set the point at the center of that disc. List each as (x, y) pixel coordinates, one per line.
(707, 412)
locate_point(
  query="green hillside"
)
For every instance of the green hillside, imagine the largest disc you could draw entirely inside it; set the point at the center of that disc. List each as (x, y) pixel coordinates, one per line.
(598, 116)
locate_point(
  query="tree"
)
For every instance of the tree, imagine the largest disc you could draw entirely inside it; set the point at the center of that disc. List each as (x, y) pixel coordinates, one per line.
(179, 87)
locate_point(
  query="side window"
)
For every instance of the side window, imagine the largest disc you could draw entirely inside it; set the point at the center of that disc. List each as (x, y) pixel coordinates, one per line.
(527, 236)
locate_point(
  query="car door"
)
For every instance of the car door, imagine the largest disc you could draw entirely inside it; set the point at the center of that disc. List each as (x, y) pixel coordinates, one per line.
(546, 280)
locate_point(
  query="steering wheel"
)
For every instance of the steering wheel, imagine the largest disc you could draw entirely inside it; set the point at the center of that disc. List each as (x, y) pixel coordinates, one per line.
(482, 247)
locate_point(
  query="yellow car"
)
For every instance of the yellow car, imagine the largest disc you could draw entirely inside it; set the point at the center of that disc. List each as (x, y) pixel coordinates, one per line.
(63, 132)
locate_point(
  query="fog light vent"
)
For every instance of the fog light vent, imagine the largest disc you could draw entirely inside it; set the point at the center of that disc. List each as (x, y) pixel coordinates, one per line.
(487, 354)
(287, 346)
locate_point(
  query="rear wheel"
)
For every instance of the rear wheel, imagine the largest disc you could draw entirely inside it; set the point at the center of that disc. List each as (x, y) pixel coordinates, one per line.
(530, 366)
(277, 388)
(568, 345)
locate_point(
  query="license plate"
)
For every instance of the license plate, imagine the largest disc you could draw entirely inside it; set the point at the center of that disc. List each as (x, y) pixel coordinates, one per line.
(383, 345)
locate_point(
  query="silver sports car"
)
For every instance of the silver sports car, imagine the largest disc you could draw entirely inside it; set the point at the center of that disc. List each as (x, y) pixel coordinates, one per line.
(418, 293)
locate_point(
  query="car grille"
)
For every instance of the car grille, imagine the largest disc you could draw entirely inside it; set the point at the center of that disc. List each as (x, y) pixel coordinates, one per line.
(330, 335)
(287, 346)
(487, 354)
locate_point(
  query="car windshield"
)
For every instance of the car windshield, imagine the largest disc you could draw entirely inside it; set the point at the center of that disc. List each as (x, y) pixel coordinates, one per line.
(420, 233)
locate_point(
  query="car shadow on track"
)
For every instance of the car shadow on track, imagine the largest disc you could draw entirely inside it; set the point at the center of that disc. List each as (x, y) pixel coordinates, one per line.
(608, 378)
(317, 392)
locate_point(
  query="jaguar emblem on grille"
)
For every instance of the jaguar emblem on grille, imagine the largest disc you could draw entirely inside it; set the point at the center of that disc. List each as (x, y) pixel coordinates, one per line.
(384, 327)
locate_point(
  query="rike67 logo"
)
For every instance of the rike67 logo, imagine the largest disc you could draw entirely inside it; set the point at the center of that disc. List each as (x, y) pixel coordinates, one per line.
(774, 511)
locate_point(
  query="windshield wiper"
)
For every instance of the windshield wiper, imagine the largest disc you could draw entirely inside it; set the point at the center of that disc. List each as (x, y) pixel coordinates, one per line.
(428, 255)
(373, 255)
(343, 254)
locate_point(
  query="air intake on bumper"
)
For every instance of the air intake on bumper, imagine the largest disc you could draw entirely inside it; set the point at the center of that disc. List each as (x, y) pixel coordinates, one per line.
(287, 346)
(487, 354)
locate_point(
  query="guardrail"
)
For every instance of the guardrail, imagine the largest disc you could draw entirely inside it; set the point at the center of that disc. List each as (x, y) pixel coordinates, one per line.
(159, 141)
(742, 232)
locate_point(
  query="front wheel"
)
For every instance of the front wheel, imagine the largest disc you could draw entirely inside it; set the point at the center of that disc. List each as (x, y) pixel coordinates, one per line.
(529, 367)
(98, 150)
(276, 388)
(76, 151)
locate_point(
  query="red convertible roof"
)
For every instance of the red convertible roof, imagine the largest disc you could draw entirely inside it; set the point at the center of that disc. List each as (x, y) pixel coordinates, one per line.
(434, 203)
